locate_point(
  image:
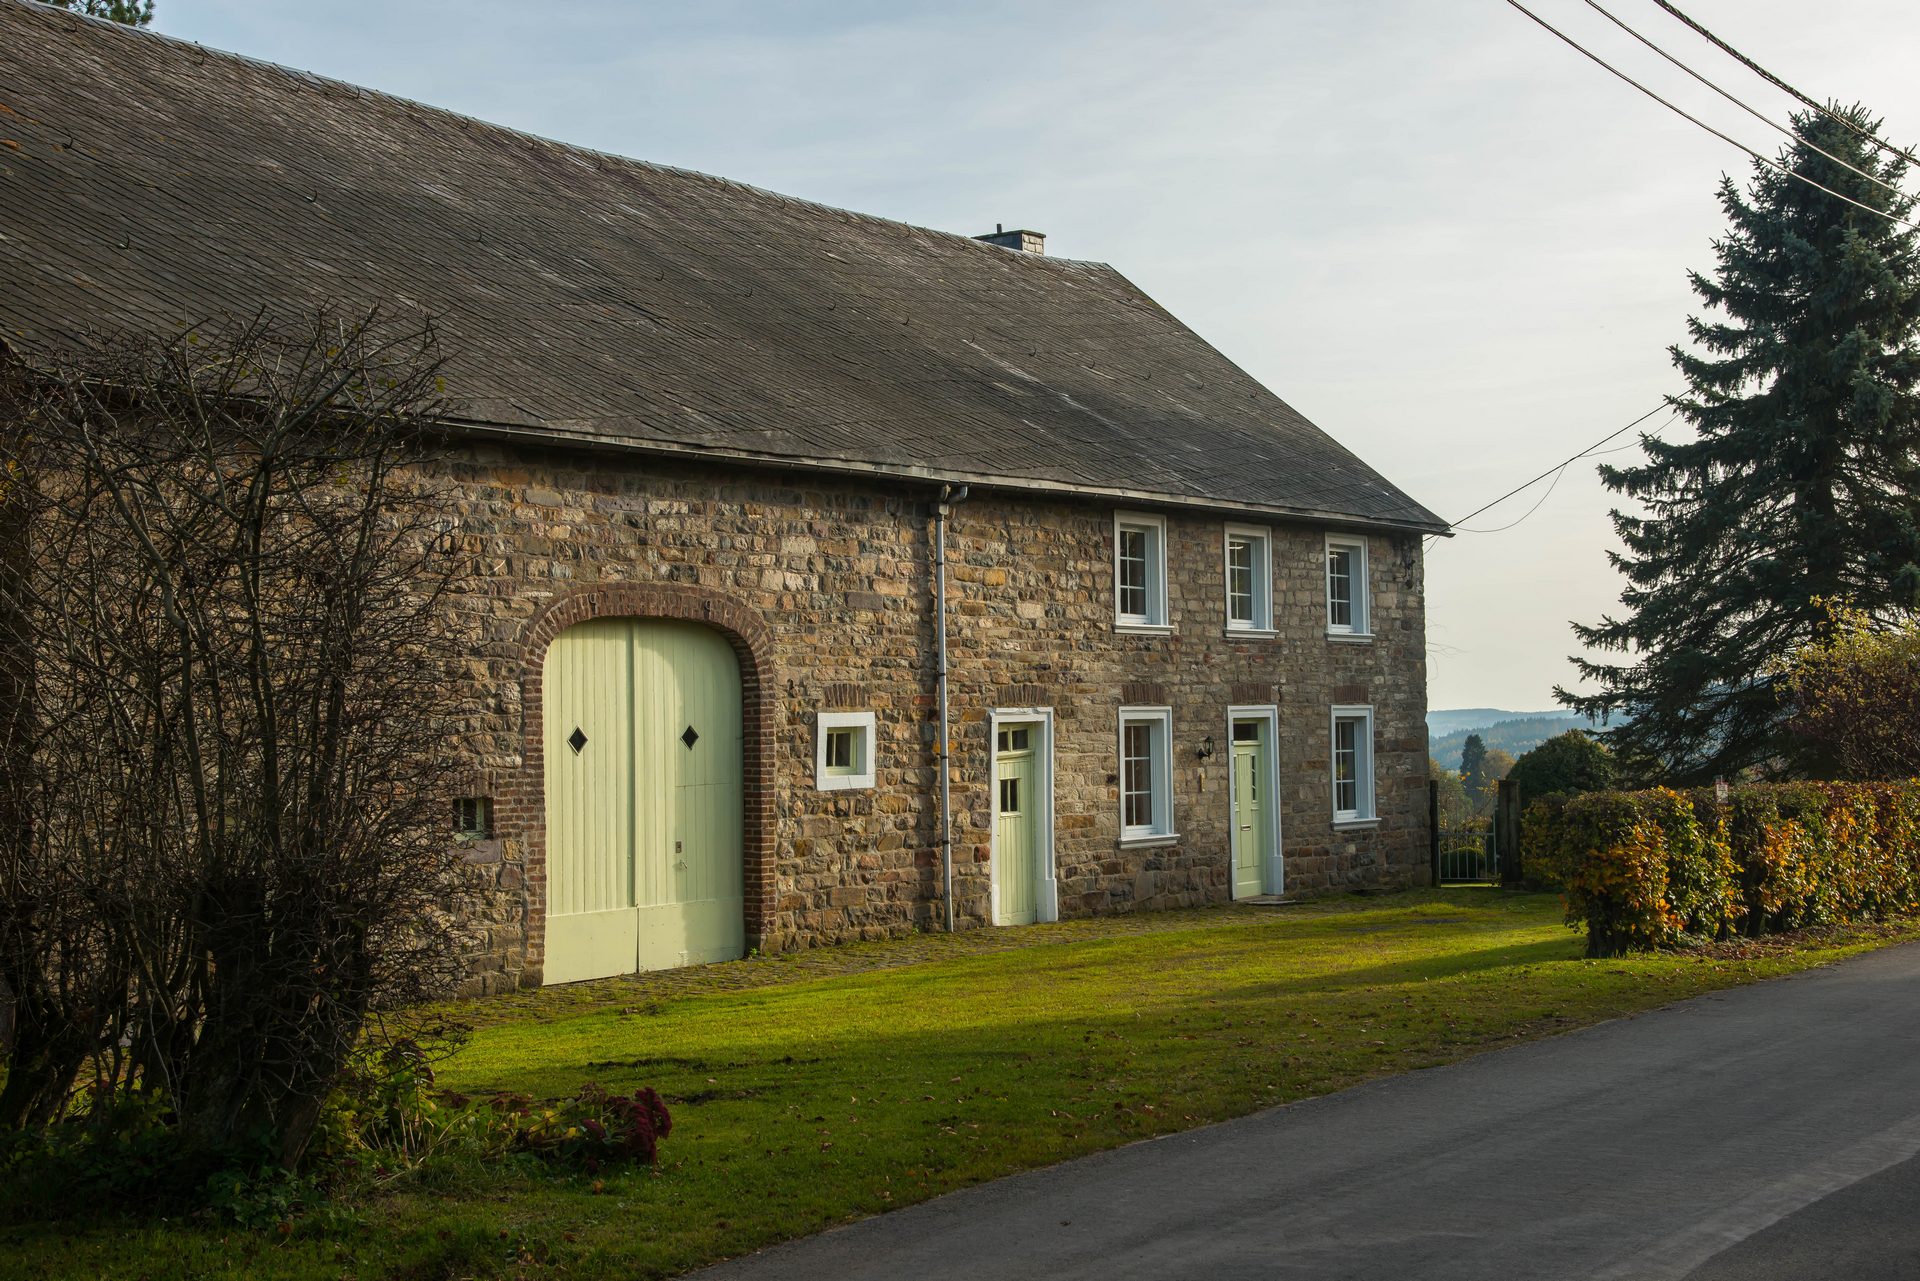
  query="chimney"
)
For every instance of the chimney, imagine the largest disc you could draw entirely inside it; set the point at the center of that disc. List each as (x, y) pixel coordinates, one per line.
(1026, 242)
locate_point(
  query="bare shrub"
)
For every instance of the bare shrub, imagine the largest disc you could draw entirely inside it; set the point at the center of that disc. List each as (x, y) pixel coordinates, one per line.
(223, 820)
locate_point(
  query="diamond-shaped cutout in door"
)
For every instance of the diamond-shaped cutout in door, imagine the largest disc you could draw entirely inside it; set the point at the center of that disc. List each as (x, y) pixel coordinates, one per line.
(690, 737)
(577, 739)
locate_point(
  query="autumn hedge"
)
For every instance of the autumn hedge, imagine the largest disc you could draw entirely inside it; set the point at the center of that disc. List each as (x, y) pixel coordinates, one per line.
(1663, 868)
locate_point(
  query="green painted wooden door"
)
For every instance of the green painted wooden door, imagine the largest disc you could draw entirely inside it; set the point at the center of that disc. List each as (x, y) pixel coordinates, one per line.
(1252, 828)
(644, 799)
(1016, 851)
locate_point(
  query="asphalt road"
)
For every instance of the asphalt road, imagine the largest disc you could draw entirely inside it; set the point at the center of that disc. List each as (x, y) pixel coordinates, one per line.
(1765, 1132)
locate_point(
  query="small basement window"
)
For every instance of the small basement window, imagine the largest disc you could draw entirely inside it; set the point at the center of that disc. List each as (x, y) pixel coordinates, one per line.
(1249, 564)
(843, 751)
(1352, 764)
(473, 818)
(1347, 597)
(1139, 571)
(1146, 773)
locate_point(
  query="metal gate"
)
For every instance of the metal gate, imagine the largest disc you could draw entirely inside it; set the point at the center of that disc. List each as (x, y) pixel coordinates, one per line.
(1469, 849)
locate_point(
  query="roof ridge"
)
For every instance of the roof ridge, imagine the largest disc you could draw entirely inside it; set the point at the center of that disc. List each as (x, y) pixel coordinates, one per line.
(335, 84)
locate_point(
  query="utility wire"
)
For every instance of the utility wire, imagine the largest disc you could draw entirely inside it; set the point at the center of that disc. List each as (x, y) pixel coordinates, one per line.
(1761, 116)
(1771, 164)
(1551, 471)
(1786, 88)
(1540, 502)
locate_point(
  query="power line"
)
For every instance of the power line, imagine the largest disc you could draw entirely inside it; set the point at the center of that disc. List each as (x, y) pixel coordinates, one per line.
(1786, 88)
(1773, 165)
(1551, 471)
(1559, 472)
(1761, 116)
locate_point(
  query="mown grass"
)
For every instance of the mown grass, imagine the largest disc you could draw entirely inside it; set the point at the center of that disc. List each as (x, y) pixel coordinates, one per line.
(806, 1104)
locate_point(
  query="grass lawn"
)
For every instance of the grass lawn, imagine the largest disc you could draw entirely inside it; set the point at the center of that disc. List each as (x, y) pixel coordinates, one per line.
(804, 1098)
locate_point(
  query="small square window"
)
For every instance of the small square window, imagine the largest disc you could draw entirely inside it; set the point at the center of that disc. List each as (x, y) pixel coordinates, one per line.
(1146, 773)
(1352, 764)
(473, 818)
(1139, 571)
(1347, 595)
(844, 751)
(1249, 570)
(1019, 738)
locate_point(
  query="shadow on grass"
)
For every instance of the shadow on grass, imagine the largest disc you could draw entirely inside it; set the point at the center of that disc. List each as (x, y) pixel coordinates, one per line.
(681, 1059)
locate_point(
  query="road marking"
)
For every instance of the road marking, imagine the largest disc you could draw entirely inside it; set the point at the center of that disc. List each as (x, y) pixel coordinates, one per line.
(1674, 1256)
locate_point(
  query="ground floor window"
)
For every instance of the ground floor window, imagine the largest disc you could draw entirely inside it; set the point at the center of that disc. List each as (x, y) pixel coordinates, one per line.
(1146, 773)
(1352, 764)
(844, 751)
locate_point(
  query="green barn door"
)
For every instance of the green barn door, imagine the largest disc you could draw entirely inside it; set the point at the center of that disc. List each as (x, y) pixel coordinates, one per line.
(1251, 826)
(644, 799)
(1016, 853)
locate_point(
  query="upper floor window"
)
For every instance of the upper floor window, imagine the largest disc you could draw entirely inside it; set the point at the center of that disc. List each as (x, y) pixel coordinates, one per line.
(1352, 764)
(1249, 579)
(1139, 570)
(1347, 596)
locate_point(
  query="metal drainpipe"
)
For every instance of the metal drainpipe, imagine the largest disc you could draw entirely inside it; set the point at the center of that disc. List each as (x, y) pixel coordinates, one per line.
(949, 497)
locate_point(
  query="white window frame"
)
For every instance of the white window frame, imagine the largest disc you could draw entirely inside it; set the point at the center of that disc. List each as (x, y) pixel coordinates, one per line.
(1261, 538)
(1160, 782)
(1047, 896)
(1360, 626)
(1155, 617)
(866, 742)
(1363, 771)
(1274, 875)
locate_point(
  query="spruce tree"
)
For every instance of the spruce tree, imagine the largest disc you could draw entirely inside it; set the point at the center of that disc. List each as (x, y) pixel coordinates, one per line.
(1801, 478)
(135, 13)
(1473, 762)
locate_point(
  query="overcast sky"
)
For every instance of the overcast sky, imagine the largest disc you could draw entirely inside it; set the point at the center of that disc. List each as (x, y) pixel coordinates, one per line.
(1441, 234)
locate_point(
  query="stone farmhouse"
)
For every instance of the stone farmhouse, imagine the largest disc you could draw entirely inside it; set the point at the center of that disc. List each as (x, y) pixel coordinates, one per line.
(835, 578)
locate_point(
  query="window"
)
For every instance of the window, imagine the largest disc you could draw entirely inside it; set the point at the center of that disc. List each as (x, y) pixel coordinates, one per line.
(1352, 764)
(1249, 579)
(843, 751)
(1347, 586)
(1139, 571)
(1016, 738)
(1146, 773)
(473, 818)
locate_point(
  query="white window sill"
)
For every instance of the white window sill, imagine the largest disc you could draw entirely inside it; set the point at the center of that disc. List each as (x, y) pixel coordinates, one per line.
(1351, 638)
(1354, 824)
(1149, 841)
(846, 783)
(1251, 633)
(1143, 629)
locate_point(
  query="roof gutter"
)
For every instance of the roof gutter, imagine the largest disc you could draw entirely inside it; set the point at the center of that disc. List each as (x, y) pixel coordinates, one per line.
(551, 437)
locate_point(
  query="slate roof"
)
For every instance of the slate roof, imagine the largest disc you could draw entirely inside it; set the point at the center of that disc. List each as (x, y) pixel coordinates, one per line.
(148, 183)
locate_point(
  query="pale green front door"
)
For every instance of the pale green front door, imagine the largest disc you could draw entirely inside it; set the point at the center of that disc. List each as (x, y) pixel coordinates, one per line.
(1017, 868)
(642, 736)
(1252, 826)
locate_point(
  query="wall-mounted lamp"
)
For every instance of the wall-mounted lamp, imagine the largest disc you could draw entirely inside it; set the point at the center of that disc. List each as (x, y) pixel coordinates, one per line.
(1206, 747)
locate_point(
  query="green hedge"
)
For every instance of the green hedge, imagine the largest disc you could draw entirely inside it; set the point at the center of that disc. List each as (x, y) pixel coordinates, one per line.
(1666, 869)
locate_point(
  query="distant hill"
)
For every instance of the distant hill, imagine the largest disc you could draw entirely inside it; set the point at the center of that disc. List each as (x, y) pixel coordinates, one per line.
(1511, 732)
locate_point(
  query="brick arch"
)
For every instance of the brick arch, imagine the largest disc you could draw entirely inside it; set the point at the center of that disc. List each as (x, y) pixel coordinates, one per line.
(521, 815)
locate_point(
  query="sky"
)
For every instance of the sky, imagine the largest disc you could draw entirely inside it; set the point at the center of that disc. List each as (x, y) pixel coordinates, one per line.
(1445, 237)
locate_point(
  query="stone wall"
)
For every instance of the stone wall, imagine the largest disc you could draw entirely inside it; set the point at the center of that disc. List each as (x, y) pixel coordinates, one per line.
(836, 576)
